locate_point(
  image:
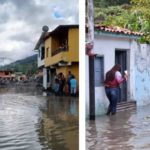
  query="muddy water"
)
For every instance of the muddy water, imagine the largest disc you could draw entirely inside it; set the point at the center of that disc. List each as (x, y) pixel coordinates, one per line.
(34, 122)
(128, 130)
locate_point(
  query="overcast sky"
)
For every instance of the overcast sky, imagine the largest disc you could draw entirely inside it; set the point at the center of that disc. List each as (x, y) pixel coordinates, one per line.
(21, 23)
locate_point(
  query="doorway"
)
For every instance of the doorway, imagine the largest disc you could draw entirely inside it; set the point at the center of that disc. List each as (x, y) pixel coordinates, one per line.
(121, 58)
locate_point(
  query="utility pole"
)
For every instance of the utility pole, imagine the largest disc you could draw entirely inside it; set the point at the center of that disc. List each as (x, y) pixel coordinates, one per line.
(90, 17)
(5, 60)
(90, 46)
(2, 61)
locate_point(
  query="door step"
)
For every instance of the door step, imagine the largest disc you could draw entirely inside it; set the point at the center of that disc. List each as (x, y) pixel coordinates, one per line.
(129, 105)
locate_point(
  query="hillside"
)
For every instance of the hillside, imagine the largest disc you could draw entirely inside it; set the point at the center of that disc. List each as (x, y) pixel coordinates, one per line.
(131, 14)
(27, 65)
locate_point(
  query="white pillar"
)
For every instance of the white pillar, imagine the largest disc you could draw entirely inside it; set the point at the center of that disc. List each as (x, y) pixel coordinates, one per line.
(45, 78)
(133, 49)
(87, 86)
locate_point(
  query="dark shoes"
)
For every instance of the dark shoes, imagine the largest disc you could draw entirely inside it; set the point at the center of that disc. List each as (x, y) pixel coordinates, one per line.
(113, 113)
(110, 113)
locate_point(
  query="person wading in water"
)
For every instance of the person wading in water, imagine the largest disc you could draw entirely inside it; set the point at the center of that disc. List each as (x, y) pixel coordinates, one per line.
(112, 82)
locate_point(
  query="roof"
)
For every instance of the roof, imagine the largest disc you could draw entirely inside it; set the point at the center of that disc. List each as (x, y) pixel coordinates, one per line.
(116, 30)
(45, 35)
(6, 71)
(41, 39)
(60, 28)
(64, 27)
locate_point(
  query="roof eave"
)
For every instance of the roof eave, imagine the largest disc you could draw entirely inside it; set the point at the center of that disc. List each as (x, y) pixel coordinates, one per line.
(130, 36)
(41, 39)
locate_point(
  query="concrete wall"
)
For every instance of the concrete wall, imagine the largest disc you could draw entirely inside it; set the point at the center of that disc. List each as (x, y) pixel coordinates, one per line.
(56, 58)
(73, 43)
(74, 68)
(48, 47)
(142, 74)
(72, 55)
(106, 46)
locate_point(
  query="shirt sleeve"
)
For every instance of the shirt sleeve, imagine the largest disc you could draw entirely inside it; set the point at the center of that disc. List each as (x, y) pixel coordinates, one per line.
(119, 77)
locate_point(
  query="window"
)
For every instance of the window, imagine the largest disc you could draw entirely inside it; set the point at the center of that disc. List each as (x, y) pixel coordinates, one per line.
(99, 70)
(42, 53)
(6, 73)
(47, 50)
(48, 71)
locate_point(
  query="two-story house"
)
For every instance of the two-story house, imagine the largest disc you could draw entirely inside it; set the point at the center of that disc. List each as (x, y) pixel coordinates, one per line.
(62, 52)
(58, 52)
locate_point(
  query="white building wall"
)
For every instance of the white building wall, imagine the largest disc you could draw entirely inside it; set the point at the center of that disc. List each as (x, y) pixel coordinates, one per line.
(142, 75)
(131, 64)
(45, 78)
(87, 84)
(106, 46)
(40, 62)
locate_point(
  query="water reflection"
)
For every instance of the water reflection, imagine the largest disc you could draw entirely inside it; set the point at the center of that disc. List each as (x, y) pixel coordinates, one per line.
(60, 123)
(111, 133)
(29, 121)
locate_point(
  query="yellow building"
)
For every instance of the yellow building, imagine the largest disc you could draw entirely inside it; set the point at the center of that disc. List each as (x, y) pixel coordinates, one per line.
(62, 51)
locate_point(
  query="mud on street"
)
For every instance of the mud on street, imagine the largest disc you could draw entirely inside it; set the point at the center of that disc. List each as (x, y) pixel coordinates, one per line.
(31, 121)
(129, 130)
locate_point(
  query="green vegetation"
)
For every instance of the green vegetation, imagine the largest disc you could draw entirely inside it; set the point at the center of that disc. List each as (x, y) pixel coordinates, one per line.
(28, 65)
(106, 3)
(133, 15)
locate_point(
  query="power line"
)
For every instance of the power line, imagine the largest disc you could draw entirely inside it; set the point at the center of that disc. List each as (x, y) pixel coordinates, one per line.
(5, 60)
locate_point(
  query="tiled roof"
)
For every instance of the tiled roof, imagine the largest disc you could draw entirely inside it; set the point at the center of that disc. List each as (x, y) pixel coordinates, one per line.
(116, 29)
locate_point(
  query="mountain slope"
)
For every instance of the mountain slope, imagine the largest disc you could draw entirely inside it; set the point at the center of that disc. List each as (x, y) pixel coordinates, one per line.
(27, 65)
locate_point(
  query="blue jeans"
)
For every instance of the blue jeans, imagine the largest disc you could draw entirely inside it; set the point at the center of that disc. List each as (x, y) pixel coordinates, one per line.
(112, 95)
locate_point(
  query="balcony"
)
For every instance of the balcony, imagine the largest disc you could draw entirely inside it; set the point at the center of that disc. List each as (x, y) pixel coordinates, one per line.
(60, 49)
(61, 56)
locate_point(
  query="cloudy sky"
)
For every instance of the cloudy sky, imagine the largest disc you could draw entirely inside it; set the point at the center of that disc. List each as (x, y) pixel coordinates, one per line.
(21, 22)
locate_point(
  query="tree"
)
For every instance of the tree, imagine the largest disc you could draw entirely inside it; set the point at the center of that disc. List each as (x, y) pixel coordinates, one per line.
(135, 17)
(106, 3)
(141, 8)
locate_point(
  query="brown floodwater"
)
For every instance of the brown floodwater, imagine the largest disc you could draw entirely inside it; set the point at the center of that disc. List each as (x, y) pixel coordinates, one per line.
(129, 130)
(31, 121)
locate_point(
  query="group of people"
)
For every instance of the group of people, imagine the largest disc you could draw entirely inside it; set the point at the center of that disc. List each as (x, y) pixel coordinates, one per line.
(69, 84)
(5, 81)
(112, 83)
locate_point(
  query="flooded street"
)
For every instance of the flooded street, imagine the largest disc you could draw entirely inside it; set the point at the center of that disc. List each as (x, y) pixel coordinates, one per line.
(31, 121)
(128, 130)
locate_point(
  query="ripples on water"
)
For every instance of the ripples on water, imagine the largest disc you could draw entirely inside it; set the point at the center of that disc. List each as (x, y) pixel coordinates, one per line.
(128, 130)
(35, 122)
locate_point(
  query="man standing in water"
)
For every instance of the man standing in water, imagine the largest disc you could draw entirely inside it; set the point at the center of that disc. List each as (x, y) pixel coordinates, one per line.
(112, 82)
(73, 85)
(68, 81)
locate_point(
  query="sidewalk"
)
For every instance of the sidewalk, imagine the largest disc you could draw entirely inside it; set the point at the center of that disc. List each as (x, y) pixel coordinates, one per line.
(129, 130)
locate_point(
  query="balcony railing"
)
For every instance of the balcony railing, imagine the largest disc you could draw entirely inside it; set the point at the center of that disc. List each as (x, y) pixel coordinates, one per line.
(60, 49)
